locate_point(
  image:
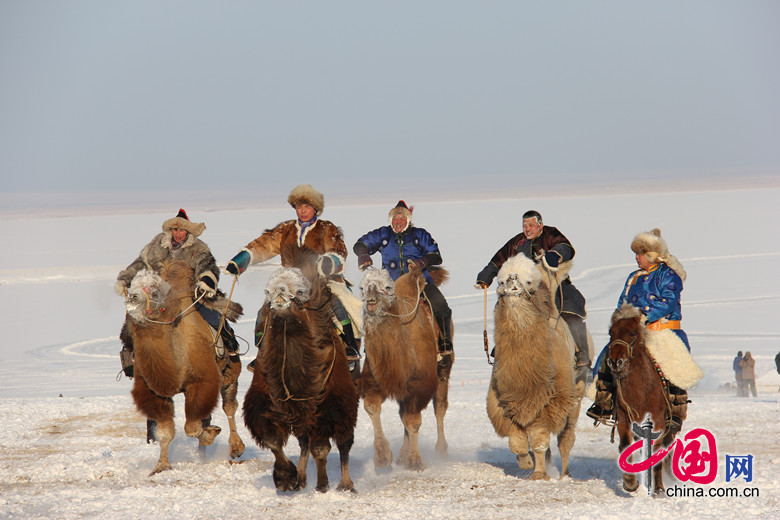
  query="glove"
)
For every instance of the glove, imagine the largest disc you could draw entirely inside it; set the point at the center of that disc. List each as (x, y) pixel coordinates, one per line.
(329, 264)
(364, 262)
(417, 262)
(552, 259)
(120, 288)
(239, 263)
(207, 286)
(480, 285)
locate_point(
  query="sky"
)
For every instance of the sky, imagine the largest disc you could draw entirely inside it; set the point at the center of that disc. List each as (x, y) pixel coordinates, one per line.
(252, 98)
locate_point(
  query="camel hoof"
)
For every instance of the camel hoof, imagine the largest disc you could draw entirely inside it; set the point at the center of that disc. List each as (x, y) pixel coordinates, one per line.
(525, 462)
(160, 467)
(441, 450)
(209, 434)
(236, 449)
(415, 465)
(286, 477)
(323, 488)
(349, 486)
(540, 476)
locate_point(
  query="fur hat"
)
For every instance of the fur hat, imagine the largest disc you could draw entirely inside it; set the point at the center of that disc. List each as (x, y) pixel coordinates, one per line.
(401, 209)
(306, 194)
(650, 244)
(182, 221)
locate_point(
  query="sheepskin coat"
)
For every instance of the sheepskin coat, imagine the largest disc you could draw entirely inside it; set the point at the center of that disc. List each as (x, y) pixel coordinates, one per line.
(397, 249)
(321, 237)
(748, 365)
(193, 251)
(568, 298)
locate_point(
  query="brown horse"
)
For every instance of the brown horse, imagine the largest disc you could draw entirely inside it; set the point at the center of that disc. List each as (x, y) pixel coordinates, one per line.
(301, 383)
(639, 388)
(401, 362)
(175, 352)
(532, 392)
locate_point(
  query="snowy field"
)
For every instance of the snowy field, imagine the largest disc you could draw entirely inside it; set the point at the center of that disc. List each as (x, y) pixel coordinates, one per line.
(73, 446)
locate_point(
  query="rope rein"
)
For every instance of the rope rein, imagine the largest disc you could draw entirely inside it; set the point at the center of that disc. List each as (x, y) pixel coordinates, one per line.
(289, 396)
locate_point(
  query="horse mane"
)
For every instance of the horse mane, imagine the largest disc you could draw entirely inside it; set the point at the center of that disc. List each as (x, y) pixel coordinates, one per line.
(625, 311)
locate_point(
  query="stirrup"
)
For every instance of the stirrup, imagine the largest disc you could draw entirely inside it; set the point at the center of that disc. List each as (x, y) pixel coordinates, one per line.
(600, 416)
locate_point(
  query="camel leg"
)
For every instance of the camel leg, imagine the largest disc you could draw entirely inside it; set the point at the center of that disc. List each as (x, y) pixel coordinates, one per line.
(566, 439)
(320, 448)
(383, 455)
(441, 403)
(161, 410)
(285, 474)
(200, 399)
(518, 444)
(411, 454)
(229, 406)
(344, 447)
(303, 461)
(540, 443)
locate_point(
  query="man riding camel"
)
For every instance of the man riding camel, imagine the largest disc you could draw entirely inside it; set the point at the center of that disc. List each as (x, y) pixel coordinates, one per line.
(322, 237)
(548, 246)
(178, 241)
(401, 243)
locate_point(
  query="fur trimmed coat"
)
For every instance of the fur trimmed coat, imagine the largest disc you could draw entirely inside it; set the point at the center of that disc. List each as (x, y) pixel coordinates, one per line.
(321, 237)
(568, 298)
(193, 251)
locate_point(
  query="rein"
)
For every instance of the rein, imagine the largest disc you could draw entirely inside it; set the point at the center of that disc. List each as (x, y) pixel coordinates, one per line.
(284, 363)
(484, 331)
(149, 309)
(414, 309)
(633, 416)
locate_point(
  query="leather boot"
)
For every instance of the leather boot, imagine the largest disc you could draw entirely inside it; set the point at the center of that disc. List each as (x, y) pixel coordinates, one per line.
(678, 399)
(602, 409)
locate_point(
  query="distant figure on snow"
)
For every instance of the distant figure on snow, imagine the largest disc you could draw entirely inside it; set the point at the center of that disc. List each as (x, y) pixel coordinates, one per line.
(738, 374)
(748, 365)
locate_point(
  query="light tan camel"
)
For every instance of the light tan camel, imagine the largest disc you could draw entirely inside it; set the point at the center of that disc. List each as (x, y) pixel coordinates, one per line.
(175, 352)
(532, 391)
(401, 362)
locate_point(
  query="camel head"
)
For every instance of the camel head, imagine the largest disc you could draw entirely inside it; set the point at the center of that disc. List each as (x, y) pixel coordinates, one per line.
(147, 294)
(518, 276)
(378, 292)
(287, 286)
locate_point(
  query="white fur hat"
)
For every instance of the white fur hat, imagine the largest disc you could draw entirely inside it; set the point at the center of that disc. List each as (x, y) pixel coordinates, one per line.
(401, 209)
(650, 244)
(306, 194)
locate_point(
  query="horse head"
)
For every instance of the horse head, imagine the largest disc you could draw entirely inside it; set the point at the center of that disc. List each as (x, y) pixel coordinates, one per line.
(378, 291)
(518, 276)
(626, 335)
(146, 295)
(286, 286)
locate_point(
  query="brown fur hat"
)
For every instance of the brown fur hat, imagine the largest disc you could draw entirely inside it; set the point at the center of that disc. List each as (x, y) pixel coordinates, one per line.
(306, 194)
(182, 221)
(650, 244)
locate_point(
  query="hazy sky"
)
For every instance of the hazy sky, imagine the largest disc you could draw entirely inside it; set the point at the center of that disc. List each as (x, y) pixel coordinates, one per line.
(137, 95)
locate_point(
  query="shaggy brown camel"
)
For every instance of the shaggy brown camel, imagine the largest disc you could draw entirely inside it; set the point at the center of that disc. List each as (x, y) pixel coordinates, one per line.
(175, 352)
(301, 383)
(532, 391)
(401, 362)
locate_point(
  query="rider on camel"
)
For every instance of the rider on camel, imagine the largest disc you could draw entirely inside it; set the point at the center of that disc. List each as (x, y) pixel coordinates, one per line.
(655, 290)
(178, 241)
(549, 246)
(322, 237)
(400, 244)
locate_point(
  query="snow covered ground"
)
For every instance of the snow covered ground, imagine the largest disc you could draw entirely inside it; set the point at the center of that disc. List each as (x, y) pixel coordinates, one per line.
(73, 446)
